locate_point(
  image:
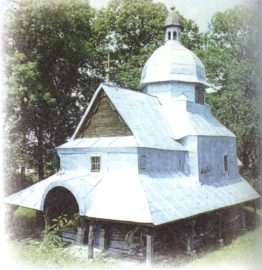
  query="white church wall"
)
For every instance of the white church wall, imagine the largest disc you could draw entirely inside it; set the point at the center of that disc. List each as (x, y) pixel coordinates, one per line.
(110, 158)
(122, 161)
(74, 161)
(198, 108)
(206, 158)
(214, 153)
(191, 164)
(171, 90)
(161, 160)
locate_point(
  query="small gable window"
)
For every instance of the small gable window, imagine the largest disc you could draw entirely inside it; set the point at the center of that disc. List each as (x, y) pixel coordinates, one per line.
(95, 164)
(143, 162)
(226, 163)
(199, 95)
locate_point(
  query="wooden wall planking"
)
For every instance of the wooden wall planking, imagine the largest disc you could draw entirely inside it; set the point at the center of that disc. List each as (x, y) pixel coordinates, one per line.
(103, 121)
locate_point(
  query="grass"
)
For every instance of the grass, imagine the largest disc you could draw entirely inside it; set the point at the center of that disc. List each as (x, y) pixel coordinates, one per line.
(24, 221)
(243, 253)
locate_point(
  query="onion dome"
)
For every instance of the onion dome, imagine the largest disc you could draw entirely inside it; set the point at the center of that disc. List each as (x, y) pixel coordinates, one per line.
(172, 61)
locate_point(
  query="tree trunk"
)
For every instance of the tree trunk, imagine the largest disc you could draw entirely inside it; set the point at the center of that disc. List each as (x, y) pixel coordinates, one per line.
(40, 159)
(243, 218)
(255, 213)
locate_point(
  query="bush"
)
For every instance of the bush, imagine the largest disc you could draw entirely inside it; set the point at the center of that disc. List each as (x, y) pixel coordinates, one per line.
(53, 232)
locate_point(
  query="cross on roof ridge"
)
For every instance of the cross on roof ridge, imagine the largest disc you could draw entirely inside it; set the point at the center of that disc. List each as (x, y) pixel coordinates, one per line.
(107, 67)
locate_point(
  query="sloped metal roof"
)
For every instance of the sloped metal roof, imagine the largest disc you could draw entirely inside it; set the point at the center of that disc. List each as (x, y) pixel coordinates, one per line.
(154, 124)
(172, 19)
(173, 62)
(175, 195)
(149, 198)
(127, 141)
(144, 116)
(78, 182)
(188, 118)
(97, 194)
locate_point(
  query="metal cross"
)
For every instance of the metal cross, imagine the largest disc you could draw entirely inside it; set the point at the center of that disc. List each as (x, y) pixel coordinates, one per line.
(107, 67)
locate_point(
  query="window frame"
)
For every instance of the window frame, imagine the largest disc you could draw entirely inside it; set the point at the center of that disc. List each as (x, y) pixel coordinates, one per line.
(95, 163)
(226, 167)
(143, 162)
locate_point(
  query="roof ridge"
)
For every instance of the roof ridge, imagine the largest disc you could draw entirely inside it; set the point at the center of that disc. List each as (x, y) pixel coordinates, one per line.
(123, 87)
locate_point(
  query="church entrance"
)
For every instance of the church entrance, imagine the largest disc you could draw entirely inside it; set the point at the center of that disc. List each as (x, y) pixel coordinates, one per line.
(60, 201)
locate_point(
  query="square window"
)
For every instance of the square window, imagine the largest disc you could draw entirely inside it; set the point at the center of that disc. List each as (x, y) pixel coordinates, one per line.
(95, 164)
(142, 162)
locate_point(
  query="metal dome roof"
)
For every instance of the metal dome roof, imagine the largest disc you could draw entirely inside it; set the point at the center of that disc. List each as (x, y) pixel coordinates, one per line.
(172, 19)
(173, 62)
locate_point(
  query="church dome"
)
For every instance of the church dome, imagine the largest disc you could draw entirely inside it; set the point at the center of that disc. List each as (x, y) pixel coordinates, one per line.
(173, 62)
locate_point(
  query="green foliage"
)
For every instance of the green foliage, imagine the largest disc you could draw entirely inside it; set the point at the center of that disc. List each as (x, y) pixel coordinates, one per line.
(243, 253)
(53, 231)
(131, 31)
(130, 236)
(230, 59)
(29, 254)
(25, 213)
(48, 61)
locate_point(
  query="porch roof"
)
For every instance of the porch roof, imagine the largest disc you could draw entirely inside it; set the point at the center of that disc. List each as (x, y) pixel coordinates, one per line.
(151, 198)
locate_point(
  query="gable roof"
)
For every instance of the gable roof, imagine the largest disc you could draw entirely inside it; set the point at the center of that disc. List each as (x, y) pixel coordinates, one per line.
(143, 115)
(158, 125)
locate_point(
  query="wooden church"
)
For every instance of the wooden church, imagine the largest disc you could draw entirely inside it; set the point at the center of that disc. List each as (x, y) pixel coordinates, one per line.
(148, 166)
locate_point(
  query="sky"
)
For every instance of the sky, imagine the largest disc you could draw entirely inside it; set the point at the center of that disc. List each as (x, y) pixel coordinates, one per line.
(200, 11)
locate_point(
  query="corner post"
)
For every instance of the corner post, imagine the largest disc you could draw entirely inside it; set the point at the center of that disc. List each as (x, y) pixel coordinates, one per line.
(91, 240)
(79, 236)
(149, 248)
(220, 238)
(190, 238)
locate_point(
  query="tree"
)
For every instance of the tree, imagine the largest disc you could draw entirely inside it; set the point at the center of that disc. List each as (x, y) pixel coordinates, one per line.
(49, 58)
(230, 60)
(131, 30)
